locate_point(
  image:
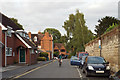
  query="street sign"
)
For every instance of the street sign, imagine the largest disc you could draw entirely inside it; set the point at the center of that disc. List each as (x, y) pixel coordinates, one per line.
(100, 46)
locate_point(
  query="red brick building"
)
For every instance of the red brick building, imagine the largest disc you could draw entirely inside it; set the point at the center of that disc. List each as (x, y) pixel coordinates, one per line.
(60, 46)
(1, 44)
(44, 42)
(17, 46)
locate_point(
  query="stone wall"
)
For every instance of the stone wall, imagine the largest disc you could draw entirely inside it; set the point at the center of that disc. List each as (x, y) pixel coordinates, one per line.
(110, 48)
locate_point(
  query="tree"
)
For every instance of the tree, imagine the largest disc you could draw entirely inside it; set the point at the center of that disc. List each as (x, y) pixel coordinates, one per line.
(56, 54)
(16, 22)
(104, 24)
(77, 32)
(63, 39)
(55, 33)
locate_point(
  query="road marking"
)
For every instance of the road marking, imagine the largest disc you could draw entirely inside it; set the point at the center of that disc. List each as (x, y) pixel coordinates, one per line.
(79, 73)
(31, 71)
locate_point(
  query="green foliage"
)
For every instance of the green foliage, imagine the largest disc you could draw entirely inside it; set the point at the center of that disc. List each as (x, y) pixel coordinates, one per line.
(104, 24)
(69, 56)
(63, 39)
(41, 59)
(78, 33)
(111, 27)
(55, 33)
(44, 54)
(16, 22)
(55, 54)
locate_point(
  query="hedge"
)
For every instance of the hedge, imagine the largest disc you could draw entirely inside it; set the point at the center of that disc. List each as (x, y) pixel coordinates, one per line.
(44, 54)
(41, 58)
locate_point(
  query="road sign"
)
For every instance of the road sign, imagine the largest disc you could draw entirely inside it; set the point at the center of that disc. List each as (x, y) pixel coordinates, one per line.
(100, 46)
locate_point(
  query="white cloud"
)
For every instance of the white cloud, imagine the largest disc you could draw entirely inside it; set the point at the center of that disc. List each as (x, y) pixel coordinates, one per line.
(37, 15)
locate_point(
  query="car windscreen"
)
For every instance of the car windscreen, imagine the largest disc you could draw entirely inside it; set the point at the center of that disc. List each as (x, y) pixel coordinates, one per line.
(83, 54)
(95, 60)
(74, 58)
(83, 58)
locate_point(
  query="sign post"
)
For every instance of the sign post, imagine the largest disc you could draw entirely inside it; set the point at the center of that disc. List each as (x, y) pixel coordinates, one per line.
(100, 46)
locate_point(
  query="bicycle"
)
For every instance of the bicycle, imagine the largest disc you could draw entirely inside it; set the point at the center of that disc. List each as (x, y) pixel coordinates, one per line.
(60, 62)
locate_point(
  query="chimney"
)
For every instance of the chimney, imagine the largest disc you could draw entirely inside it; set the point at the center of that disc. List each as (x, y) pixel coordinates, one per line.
(29, 34)
(39, 32)
(46, 34)
(0, 33)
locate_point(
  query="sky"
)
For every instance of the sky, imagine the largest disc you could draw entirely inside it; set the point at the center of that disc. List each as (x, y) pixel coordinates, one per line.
(37, 15)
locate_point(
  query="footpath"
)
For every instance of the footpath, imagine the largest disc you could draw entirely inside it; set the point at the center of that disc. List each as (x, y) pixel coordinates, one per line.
(14, 70)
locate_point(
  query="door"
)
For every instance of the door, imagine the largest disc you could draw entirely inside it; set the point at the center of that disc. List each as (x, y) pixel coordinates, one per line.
(22, 55)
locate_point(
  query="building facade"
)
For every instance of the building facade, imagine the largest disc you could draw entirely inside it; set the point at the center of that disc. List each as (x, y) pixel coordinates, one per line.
(60, 47)
(18, 49)
(44, 42)
(17, 46)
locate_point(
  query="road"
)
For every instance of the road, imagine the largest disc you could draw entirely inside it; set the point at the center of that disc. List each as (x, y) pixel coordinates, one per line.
(52, 70)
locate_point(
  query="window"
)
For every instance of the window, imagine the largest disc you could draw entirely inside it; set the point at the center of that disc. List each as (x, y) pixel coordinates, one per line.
(35, 39)
(56, 51)
(62, 50)
(8, 51)
(20, 34)
(32, 51)
(27, 37)
(23, 34)
(9, 32)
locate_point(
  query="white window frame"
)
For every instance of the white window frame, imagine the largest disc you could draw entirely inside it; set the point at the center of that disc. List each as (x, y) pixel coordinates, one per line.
(32, 51)
(8, 51)
(9, 33)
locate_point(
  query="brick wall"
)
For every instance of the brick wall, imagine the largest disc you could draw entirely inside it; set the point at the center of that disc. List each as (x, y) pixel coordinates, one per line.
(46, 42)
(14, 43)
(110, 48)
(33, 58)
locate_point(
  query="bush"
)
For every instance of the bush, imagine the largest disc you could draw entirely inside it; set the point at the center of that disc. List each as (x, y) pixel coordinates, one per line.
(41, 58)
(44, 54)
(69, 56)
(111, 27)
(56, 54)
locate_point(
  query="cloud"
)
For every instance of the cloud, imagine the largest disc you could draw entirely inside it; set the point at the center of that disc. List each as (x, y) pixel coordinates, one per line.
(37, 15)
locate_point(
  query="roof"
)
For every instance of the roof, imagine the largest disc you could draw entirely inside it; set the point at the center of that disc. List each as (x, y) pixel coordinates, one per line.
(27, 42)
(59, 45)
(8, 22)
(42, 50)
(39, 37)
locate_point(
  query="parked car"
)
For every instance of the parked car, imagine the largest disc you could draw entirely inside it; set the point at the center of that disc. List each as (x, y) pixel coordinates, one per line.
(96, 66)
(63, 57)
(116, 76)
(82, 61)
(75, 61)
(80, 54)
(55, 57)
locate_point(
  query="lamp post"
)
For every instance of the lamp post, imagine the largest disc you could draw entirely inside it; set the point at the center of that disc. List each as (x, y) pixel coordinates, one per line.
(100, 46)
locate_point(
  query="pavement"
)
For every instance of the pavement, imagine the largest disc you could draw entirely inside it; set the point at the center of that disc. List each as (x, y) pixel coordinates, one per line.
(15, 66)
(53, 71)
(14, 70)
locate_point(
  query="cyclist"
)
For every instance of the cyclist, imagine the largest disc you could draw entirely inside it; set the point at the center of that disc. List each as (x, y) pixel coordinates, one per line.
(60, 58)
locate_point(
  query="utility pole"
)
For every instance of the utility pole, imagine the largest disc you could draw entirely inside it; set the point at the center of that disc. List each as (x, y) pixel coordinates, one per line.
(100, 46)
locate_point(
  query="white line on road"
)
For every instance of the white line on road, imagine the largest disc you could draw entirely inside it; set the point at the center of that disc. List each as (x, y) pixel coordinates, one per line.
(79, 73)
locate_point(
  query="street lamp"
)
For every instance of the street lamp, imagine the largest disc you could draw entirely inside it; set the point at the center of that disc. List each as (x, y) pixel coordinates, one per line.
(100, 45)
